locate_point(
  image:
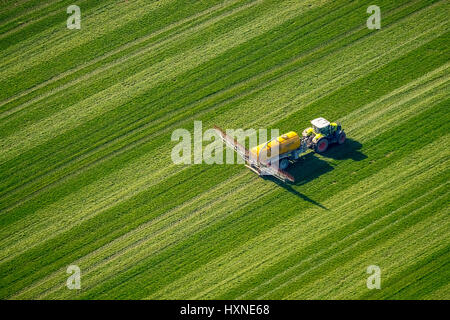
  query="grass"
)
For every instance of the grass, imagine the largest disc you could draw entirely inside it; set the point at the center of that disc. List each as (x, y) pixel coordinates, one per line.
(86, 177)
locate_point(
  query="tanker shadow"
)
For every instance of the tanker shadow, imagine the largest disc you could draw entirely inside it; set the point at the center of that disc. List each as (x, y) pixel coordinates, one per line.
(288, 187)
(348, 150)
(310, 166)
(305, 169)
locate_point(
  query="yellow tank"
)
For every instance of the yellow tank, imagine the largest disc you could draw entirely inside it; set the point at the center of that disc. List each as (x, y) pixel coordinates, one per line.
(284, 143)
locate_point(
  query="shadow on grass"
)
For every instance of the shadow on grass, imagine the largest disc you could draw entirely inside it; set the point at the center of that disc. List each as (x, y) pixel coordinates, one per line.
(348, 150)
(288, 187)
(310, 167)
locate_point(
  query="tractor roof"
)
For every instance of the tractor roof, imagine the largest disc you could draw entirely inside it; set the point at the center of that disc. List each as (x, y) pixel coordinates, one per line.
(320, 123)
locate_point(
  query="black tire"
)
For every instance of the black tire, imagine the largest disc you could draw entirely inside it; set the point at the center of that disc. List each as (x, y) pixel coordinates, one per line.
(321, 145)
(341, 137)
(284, 163)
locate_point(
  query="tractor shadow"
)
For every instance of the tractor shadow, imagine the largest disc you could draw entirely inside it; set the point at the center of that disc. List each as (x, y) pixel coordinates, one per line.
(310, 166)
(348, 150)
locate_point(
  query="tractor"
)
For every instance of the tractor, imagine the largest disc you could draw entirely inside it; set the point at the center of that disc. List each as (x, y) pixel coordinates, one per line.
(322, 134)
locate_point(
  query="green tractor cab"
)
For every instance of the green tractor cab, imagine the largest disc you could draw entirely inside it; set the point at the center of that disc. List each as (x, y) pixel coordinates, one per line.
(322, 134)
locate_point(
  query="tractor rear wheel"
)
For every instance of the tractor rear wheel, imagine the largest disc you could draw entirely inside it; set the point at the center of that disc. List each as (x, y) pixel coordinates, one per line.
(322, 145)
(342, 137)
(284, 163)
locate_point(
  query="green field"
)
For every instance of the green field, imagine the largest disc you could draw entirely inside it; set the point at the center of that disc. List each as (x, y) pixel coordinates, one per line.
(86, 176)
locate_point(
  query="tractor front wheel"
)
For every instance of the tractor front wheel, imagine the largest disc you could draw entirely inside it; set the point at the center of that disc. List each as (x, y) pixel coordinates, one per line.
(322, 145)
(342, 137)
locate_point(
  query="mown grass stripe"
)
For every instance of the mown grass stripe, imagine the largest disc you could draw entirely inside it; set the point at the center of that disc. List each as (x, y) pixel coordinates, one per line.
(414, 246)
(156, 243)
(339, 203)
(424, 277)
(404, 119)
(387, 18)
(43, 222)
(176, 228)
(263, 219)
(109, 59)
(90, 107)
(213, 290)
(375, 238)
(67, 60)
(33, 16)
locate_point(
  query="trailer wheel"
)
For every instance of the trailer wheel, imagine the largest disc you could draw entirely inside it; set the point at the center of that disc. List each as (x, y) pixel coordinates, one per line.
(342, 137)
(284, 163)
(322, 145)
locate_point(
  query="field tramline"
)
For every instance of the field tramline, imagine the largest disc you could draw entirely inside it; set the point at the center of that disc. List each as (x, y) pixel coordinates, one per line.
(87, 177)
